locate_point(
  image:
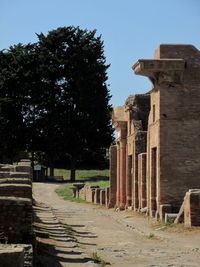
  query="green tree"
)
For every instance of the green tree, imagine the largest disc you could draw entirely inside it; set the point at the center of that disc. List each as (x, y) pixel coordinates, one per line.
(21, 107)
(11, 91)
(74, 71)
(54, 98)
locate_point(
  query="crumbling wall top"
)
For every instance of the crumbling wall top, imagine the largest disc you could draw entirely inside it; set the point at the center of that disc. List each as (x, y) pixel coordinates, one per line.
(138, 106)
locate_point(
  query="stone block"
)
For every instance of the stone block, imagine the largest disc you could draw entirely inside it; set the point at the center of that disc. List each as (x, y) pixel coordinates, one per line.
(102, 197)
(16, 219)
(170, 217)
(11, 256)
(107, 196)
(15, 181)
(165, 208)
(90, 191)
(97, 196)
(14, 255)
(192, 208)
(4, 174)
(20, 175)
(16, 190)
(23, 168)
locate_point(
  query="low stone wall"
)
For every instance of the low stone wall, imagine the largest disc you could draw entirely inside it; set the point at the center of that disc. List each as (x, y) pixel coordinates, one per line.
(19, 255)
(16, 214)
(95, 195)
(15, 181)
(16, 190)
(87, 193)
(16, 219)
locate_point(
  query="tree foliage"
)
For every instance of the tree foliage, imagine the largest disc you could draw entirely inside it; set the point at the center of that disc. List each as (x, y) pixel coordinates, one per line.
(57, 96)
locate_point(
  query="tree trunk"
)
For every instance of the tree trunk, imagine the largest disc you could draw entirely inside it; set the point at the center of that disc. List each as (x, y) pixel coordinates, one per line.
(32, 159)
(73, 170)
(51, 171)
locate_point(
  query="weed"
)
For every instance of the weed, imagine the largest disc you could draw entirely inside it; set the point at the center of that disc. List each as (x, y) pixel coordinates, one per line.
(98, 260)
(151, 236)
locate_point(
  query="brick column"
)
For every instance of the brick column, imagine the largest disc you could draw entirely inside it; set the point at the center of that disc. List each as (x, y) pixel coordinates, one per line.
(113, 176)
(118, 176)
(122, 173)
(129, 182)
(142, 180)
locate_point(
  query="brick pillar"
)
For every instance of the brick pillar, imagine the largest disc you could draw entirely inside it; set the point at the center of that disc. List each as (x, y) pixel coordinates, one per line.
(118, 176)
(107, 196)
(135, 183)
(129, 181)
(122, 173)
(142, 180)
(113, 176)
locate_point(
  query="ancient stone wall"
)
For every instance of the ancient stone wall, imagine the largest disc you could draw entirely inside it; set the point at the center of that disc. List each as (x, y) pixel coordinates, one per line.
(16, 214)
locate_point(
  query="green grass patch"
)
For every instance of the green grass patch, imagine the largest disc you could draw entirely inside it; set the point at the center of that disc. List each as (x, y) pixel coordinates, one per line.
(86, 175)
(101, 183)
(67, 193)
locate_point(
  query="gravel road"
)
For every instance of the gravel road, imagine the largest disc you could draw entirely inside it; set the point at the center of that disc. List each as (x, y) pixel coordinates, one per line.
(119, 238)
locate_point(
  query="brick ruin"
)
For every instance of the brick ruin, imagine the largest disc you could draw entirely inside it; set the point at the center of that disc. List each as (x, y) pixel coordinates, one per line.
(16, 216)
(156, 158)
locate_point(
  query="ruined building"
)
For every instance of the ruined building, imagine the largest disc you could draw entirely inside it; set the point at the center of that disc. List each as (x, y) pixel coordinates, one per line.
(156, 158)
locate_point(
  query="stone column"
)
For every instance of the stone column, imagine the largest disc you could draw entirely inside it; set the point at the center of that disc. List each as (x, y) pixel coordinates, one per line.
(113, 176)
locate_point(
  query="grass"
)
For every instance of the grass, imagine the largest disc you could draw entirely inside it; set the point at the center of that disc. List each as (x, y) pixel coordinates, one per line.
(98, 260)
(83, 174)
(67, 193)
(100, 183)
(91, 177)
(151, 236)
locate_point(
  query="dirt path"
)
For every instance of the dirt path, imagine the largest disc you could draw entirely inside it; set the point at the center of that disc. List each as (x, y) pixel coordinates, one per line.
(121, 238)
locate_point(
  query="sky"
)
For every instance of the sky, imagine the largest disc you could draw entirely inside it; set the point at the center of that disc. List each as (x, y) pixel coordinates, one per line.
(130, 29)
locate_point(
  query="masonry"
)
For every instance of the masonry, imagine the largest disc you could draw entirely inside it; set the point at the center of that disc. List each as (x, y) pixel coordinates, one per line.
(16, 216)
(169, 142)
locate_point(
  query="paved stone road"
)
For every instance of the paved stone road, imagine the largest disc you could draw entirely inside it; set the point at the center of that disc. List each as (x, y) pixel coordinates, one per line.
(121, 238)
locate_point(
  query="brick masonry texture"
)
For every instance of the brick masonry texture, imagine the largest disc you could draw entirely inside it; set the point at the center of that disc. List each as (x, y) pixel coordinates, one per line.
(164, 124)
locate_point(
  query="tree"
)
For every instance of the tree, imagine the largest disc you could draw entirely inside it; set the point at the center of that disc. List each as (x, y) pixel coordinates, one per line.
(20, 99)
(11, 91)
(54, 98)
(74, 71)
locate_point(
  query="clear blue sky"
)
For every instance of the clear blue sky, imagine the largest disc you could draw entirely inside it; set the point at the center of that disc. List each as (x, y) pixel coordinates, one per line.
(131, 29)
